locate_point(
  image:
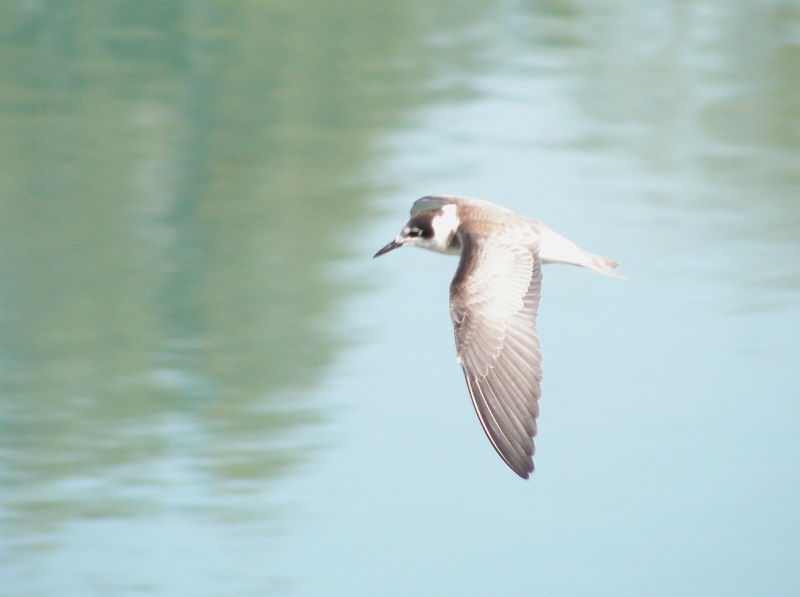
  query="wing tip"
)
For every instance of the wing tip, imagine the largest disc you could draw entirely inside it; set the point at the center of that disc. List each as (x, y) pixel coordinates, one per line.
(525, 473)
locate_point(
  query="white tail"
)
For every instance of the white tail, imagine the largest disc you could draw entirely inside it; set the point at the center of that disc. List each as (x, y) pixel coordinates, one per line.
(554, 248)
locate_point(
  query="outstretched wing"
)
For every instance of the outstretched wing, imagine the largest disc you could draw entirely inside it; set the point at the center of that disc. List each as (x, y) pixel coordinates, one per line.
(494, 298)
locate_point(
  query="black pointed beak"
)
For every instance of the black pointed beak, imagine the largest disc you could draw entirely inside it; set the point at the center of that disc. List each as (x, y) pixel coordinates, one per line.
(392, 245)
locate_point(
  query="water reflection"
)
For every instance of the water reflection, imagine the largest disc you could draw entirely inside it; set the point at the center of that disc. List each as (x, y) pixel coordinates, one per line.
(705, 97)
(175, 177)
(176, 186)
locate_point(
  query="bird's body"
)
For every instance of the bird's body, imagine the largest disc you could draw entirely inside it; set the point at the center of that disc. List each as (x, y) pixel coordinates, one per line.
(494, 299)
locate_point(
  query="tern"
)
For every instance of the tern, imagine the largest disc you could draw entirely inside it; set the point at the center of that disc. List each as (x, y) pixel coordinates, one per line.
(494, 299)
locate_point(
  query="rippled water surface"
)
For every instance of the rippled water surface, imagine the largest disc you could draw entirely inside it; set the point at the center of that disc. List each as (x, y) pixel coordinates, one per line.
(207, 387)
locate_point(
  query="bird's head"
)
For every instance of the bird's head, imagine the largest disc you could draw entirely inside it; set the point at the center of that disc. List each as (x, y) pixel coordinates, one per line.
(432, 229)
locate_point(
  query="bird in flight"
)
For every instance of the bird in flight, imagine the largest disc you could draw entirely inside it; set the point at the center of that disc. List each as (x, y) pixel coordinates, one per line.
(494, 299)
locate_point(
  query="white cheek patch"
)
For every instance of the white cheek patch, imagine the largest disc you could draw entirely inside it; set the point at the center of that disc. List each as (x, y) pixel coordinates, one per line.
(444, 226)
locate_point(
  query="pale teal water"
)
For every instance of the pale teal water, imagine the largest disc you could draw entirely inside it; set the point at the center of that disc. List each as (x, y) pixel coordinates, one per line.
(208, 388)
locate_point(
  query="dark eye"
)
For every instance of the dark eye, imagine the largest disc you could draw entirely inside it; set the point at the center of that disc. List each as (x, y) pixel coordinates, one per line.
(414, 232)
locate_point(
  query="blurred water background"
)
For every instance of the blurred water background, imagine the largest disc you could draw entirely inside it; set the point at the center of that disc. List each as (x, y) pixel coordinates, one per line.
(208, 388)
